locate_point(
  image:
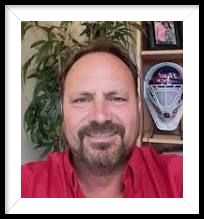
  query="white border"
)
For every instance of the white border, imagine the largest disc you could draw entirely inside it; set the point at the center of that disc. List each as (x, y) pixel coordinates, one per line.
(14, 15)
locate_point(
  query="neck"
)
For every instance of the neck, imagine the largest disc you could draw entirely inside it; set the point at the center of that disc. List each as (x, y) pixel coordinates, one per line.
(100, 182)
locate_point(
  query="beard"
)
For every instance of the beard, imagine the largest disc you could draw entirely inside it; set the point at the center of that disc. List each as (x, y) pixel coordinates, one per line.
(107, 153)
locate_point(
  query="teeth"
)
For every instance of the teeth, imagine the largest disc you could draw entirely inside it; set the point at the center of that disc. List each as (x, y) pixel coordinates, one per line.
(101, 135)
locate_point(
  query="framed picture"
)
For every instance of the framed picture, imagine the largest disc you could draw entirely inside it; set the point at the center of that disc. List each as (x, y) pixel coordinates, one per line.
(164, 35)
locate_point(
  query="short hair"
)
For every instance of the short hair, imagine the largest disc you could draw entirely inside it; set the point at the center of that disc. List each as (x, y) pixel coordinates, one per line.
(100, 45)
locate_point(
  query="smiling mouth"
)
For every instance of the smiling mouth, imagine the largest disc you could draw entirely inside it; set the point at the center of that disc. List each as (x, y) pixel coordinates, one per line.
(101, 137)
(98, 135)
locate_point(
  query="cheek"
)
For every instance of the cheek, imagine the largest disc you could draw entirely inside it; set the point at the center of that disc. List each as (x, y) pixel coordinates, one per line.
(72, 120)
(129, 118)
(130, 121)
(127, 114)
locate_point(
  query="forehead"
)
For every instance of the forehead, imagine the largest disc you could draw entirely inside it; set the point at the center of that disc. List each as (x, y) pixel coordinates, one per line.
(99, 69)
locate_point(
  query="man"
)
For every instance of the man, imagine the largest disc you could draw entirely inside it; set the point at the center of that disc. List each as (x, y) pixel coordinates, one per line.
(100, 122)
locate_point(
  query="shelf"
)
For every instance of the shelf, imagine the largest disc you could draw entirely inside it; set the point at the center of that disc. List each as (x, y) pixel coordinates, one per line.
(146, 58)
(162, 54)
(162, 138)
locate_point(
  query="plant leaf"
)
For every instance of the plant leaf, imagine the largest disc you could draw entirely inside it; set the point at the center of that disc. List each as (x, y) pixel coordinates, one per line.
(37, 43)
(27, 65)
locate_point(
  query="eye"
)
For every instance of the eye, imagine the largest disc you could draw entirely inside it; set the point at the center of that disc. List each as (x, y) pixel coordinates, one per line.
(118, 99)
(80, 100)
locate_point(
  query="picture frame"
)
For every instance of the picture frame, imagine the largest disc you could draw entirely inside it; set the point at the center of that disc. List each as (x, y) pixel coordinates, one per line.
(164, 35)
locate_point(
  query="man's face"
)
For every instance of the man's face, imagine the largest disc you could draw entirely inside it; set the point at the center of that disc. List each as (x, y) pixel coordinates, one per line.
(100, 114)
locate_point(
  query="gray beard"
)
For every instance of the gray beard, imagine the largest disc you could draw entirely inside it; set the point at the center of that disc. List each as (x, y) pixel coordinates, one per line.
(101, 155)
(103, 159)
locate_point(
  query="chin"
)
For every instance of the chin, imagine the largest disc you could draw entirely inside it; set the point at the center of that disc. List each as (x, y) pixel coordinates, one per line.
(103, 154)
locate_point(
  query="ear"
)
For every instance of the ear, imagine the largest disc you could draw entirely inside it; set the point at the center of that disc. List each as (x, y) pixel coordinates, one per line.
(62, 118)
(140, 117)
(139, 95)
(61, 108)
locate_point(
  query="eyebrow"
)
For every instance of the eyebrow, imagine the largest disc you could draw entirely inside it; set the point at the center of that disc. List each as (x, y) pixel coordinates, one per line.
(84, 93)
(109, 93)
(112, 93)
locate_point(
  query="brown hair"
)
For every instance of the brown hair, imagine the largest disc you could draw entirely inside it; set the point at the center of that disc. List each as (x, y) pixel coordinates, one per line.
(100, 45)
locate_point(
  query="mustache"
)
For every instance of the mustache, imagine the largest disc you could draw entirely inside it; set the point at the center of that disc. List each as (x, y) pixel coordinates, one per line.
(94, 128)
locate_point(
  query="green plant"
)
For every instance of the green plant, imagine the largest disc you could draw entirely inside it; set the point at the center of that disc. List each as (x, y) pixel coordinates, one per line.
(42, 117)
(117, 31)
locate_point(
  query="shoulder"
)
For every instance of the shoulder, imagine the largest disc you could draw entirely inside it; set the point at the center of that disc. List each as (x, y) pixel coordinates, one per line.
(35, 167)
(37, 174)
(147, 158)
(165, 170)
(172, 161)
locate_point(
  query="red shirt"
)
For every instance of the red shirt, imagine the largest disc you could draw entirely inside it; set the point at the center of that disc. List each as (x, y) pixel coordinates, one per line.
(147, 174)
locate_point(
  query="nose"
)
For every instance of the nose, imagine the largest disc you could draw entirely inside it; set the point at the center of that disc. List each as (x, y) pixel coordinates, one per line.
(100, 112)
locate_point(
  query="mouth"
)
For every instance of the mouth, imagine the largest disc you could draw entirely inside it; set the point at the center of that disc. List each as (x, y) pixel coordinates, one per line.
(101, 137)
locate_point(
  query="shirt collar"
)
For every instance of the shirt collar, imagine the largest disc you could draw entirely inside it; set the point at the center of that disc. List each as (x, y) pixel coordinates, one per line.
(71, 174)
(129, 176)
